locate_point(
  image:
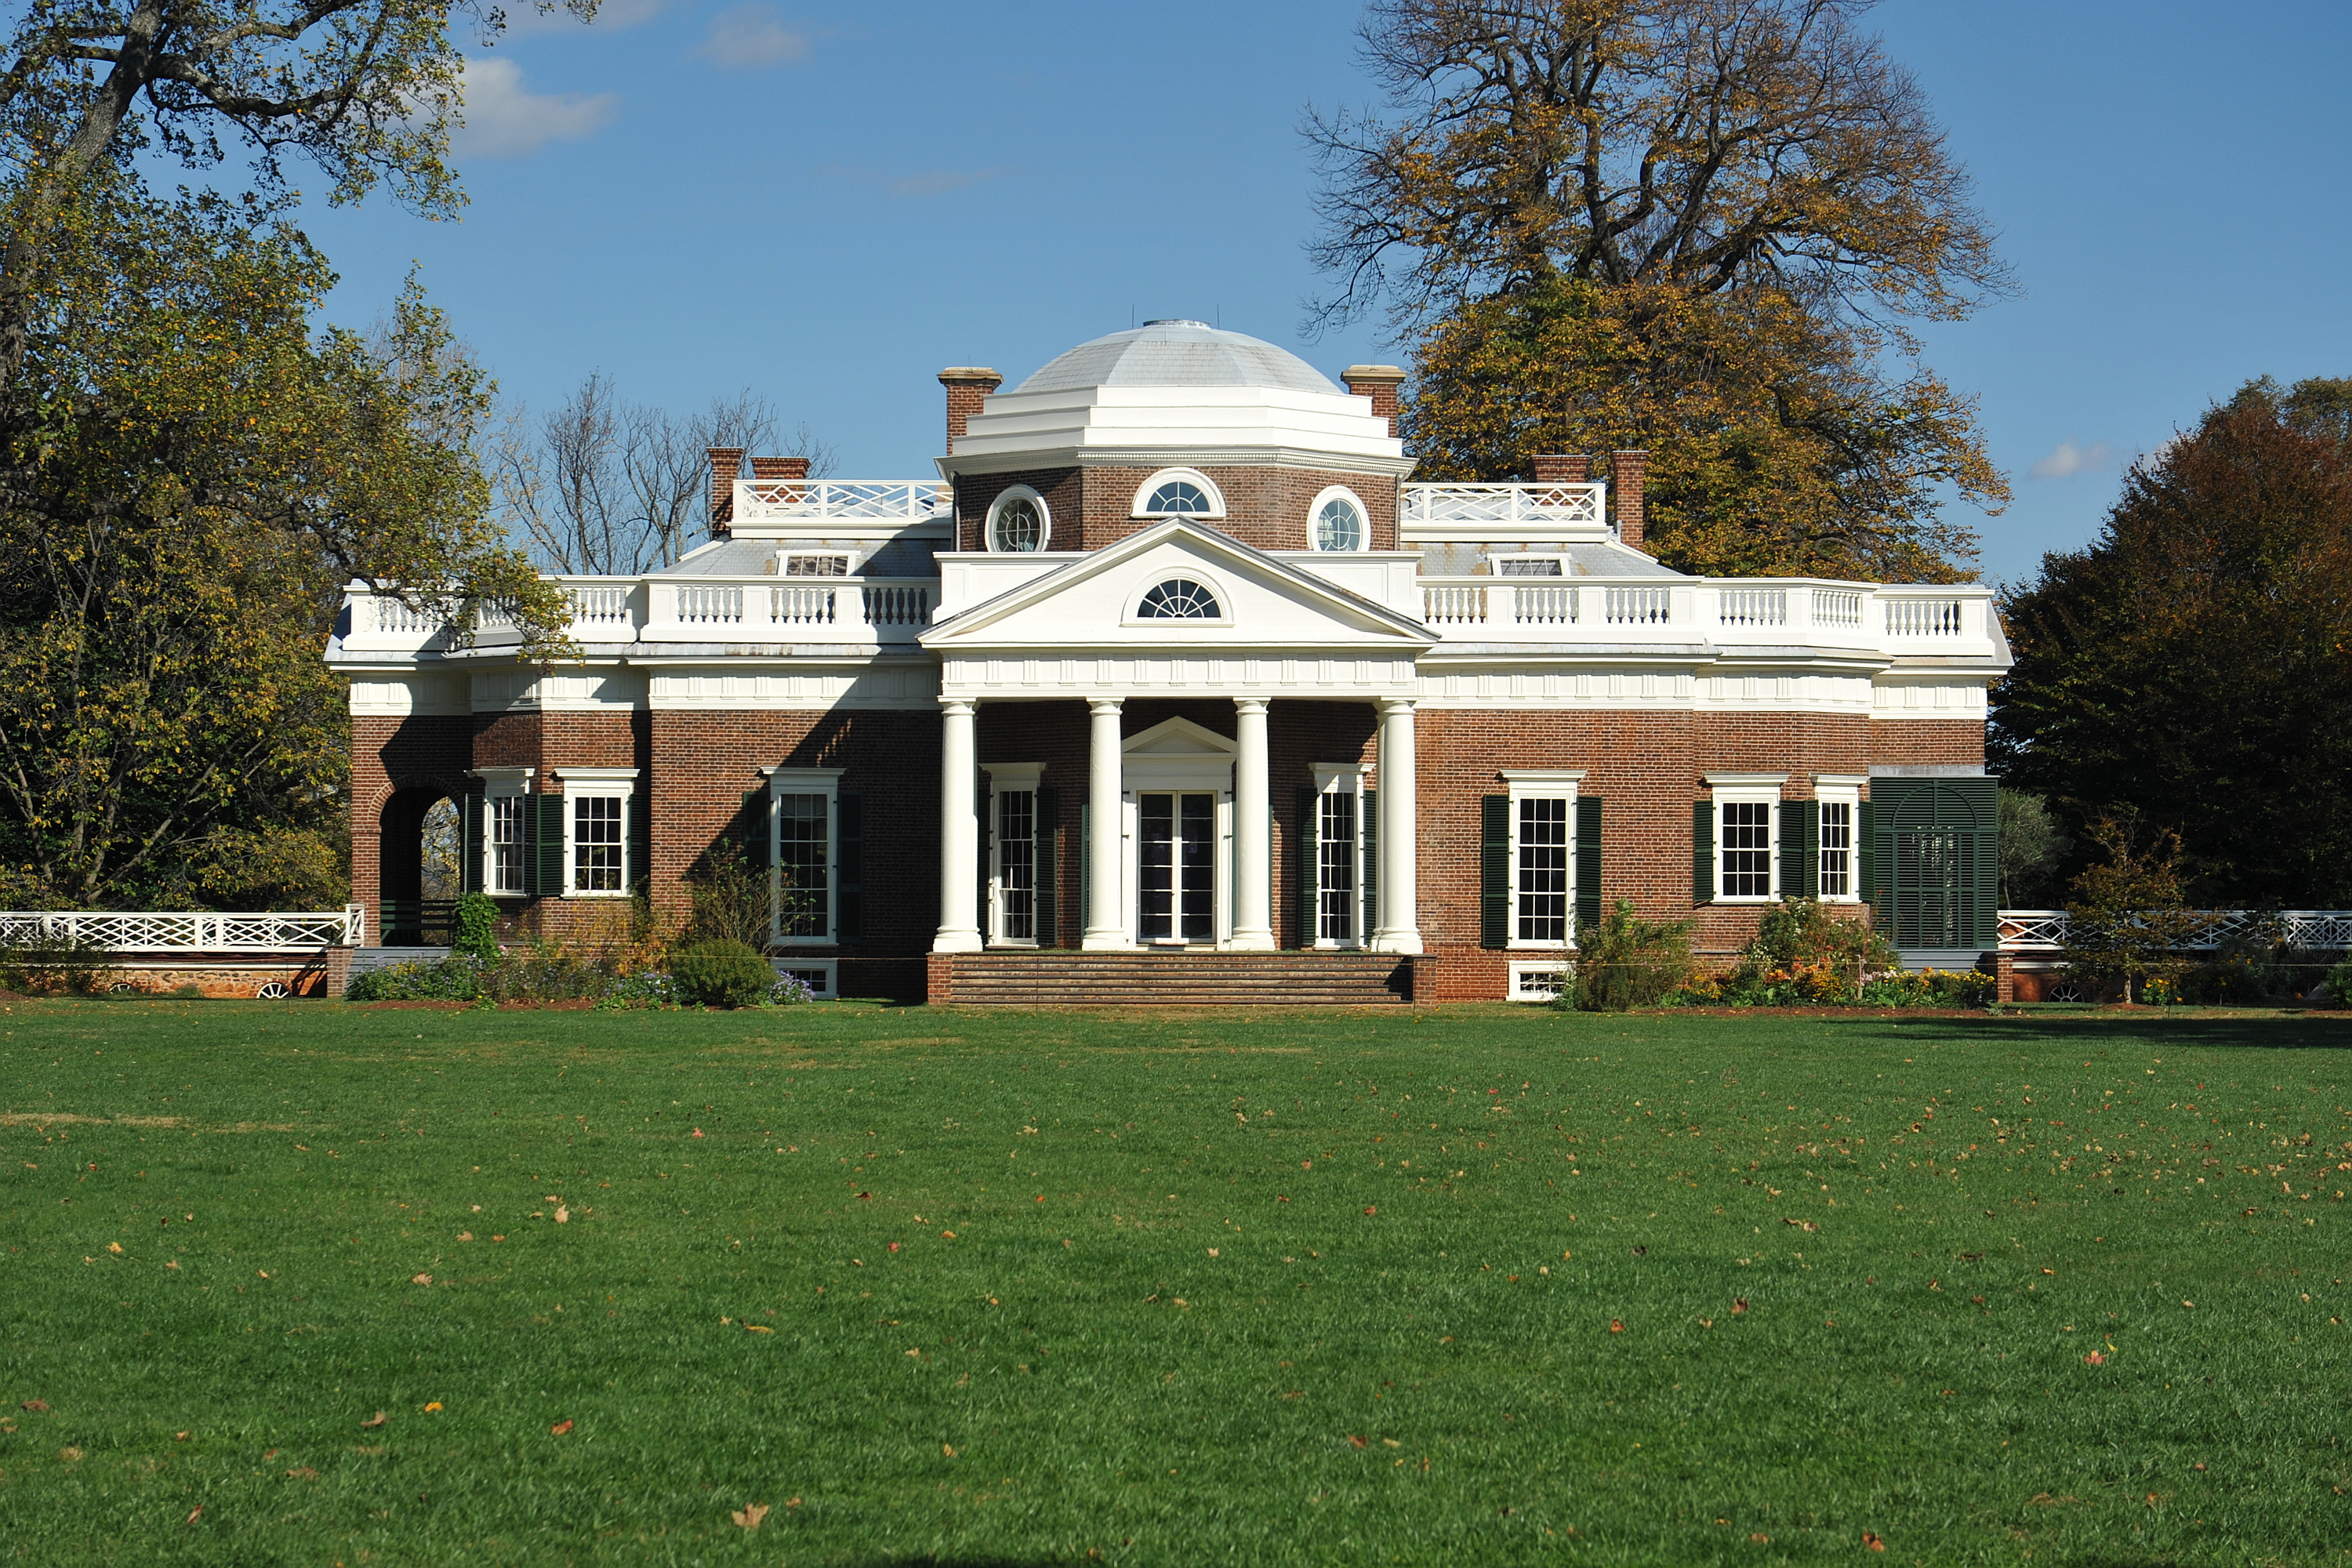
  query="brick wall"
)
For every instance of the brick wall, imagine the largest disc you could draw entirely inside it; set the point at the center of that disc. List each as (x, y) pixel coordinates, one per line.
(1951, 741)
(1264, 507)
(975, 493)
(419, 754)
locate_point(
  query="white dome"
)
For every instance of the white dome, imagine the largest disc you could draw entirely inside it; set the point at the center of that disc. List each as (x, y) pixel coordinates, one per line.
(1177, 353)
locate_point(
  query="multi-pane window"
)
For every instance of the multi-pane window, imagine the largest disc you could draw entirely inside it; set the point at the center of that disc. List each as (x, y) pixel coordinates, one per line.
(1335, 868)
(1016, 865)
(1837, 849)
(803, 861)
(1747, 849)
(1541, 862)
(597, 849)
(505, 847)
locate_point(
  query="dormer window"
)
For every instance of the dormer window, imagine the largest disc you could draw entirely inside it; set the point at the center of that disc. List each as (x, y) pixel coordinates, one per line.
(1527, 567)
(1180, 599)
(1339, 520)
(1179, 492)
(1018, 522)
(816, 565)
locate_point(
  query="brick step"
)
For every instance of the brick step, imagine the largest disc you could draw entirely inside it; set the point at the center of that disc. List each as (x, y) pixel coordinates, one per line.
(1057, 978)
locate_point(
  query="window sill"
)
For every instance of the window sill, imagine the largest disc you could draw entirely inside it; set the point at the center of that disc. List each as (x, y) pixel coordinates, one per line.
(589, 898)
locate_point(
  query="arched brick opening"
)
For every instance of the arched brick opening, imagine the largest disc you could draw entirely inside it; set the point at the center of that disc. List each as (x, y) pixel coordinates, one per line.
(415, 909)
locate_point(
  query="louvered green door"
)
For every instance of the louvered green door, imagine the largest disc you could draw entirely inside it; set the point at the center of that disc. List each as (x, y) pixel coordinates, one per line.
(1936, 861)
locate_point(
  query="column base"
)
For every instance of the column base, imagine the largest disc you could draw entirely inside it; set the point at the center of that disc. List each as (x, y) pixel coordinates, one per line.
(1105, 941)
(955, 941)
(1395, 942)
(1252, 942)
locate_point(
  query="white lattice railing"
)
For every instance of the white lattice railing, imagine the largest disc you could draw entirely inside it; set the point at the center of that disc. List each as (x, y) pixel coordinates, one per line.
(1555, 504)
(2044, 930)
(857, 500)
(191, 932)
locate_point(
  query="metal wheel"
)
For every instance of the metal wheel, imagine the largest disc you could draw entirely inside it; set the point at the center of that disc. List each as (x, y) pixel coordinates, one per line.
(274, 991)
(2067, 991)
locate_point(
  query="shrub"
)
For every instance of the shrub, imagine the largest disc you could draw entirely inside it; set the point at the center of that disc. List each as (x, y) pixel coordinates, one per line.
(720, 973)
(474, 931)
(2339, 985)
(1807, 953)
(450, 979)
(53, 966)
(1629, 962)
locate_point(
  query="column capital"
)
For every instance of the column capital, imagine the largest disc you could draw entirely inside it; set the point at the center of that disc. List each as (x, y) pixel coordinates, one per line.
(1250, 704)
(1395, 704)
(960, 705)
(1104, 704)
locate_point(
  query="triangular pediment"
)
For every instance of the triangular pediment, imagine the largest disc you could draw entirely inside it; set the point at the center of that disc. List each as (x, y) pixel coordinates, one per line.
(1177, 738)
(1097, 602)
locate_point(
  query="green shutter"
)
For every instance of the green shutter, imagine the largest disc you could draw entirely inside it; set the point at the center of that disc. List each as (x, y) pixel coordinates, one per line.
(1937, 860)
(984, 824)
(551, 829)
(1865, 870)
(849, 870)
(1800, 860)
(1306, 873)
(1367, 826)
(757, 830)
(1588, 864)
(1495, 870)
(1086, 868)
(636, 831)
(469, 843)
(1048, 830)
(1702, 852)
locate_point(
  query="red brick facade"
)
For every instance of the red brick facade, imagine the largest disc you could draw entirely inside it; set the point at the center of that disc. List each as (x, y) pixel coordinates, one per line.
(1264, 507)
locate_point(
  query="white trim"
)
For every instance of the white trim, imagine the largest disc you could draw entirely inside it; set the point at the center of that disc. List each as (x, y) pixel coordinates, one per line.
(1011, 778)
(1315, 512)
(506, 781)
(1561, 566)
(1834, 780)
(1562, 973)
(1329, 779)
(1185, 572)
(1541, 783)
(594, 784)
(1848, 794)
(599, 776)
(1749, 789)
(1193, 476)
(826, 783)
(1045, 520)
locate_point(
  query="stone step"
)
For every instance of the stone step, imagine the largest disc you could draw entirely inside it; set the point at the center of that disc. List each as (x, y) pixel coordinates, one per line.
(1061, 978)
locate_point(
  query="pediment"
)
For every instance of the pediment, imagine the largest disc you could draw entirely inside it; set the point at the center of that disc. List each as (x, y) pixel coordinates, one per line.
(1097, 601)
(1179, 738)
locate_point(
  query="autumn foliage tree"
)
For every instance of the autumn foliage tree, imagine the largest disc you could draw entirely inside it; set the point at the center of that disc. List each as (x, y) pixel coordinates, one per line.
(1696, 226)
(2195, 661)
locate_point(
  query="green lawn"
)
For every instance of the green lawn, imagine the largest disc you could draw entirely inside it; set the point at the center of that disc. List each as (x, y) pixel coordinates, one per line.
(1457, 1286)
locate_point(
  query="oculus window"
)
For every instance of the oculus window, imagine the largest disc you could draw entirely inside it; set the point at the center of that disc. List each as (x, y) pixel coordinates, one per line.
(1180, 599)
(1339, 524)
(1018, 523)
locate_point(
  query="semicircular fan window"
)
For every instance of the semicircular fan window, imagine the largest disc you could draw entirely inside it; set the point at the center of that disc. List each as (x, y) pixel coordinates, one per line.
(1180, 599)
(1178, 498)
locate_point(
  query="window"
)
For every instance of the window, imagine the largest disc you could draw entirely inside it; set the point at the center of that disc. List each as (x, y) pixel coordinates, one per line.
(1179, 492)
(1339, 521)
(1542, 856)
(804, 861)
(816, 565)
(1527, 567)
(1335, 871)
(1016, 865)
(506, 844)
(599, 852)
(1745, 845)
(1180, 599)
(1018, 522)
(1541, 853)
(1837, 849)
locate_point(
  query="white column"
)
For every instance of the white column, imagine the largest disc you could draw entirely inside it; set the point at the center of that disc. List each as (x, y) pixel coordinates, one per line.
(1253, 831)
(1400, 923)
(959, 832)
(1106, 912)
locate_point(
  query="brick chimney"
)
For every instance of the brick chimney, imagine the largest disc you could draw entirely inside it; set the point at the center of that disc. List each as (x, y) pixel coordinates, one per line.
(1626, 474)
(779, 467)
(1379, 382)
(968, 386)
(725, 467)
(1562, 468)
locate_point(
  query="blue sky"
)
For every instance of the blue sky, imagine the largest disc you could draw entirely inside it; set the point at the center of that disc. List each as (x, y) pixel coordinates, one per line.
(829, 203)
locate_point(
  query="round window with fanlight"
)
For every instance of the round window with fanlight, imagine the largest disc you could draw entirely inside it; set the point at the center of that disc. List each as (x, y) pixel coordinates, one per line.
(1018, 523)
(1339, 523)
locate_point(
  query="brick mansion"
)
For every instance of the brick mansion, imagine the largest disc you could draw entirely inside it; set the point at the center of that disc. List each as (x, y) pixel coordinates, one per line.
(1174, 684)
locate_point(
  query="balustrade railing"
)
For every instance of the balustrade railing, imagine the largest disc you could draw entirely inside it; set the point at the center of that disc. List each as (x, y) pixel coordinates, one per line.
(601, 606)
(857, 500)
(1543, 604)
(1553, 504)
(1919, 617)
(1837, 607)
(1753, 608)
(195, 930)
(2045, 930)
(1637, 607)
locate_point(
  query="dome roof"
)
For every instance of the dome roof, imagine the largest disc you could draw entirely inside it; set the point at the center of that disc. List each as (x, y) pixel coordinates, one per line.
(1177, 353)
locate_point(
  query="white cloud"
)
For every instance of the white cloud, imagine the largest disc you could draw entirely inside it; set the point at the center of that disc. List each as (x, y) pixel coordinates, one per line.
(505, 120)
(2069, 460)
(750, 37)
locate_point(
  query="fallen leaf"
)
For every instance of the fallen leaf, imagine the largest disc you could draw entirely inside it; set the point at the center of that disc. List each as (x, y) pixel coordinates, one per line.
(37, 1406)
(1354, 1441)
(792, 1503)
(302, 1473)
(193, 1512)
(559, 1428)
(464, 1236)
(1739, 1306)
(1873, 1542)
(435, 1404)
(1371, 1211)
(894, 1246)
(2096, 1359)
(1616, 1326)
(1707, 1322)
(757, 1329)
(114, 1246)
(562, 1216)
(697, 1132)
(1213, 1251)
(179, 1436)
(1760, 1539)
(374, 1421)
(69, 1454)
(949, 1449)
(750, 1515)
(422, 1279)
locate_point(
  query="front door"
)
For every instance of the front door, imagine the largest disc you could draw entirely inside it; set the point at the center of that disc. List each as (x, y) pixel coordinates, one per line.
(1176, 866)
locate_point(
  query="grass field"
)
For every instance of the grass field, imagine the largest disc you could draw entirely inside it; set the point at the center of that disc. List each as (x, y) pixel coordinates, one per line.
(1459, 1286)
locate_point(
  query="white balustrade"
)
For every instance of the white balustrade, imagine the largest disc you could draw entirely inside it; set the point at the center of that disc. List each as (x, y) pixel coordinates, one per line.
(1552, 504)
(395, 615)
(2045, 930)
(1637, 606)
(601, 606)
(195, 930)
(902, 605)
(1543, 604)
(1752, 607)
(1923, 618)
(857, 500)
(708, 605)
(1837, 606)
(802, 605)
(1454, 605)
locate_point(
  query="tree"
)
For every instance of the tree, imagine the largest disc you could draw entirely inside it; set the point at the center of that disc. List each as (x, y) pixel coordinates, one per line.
(614, 487)
(2127, 920)
(1692, 226)
(2192, 661)
(2031, 849)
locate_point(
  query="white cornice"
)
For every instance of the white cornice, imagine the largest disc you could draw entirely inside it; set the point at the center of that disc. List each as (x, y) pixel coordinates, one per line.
(976, 463)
